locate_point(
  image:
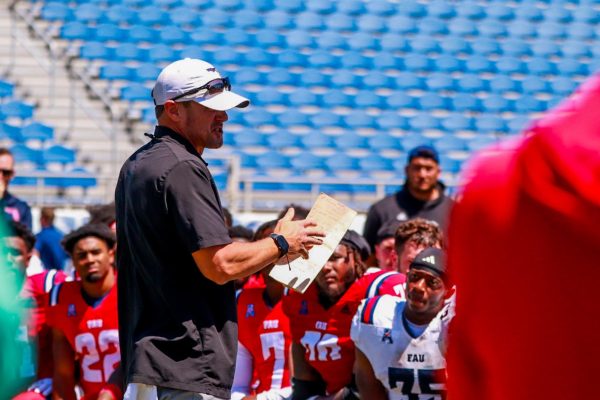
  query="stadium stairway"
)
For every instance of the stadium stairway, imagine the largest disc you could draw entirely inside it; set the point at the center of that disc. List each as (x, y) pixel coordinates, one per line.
(84, 124)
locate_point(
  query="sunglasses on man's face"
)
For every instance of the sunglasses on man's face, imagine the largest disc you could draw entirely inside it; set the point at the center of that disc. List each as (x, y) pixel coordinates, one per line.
(6, 172)
(213, 87)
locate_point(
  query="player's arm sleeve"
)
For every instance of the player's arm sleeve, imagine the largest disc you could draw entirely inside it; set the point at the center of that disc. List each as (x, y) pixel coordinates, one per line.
(369, 387)
(194, 208)
(64, 367)
(242, 377)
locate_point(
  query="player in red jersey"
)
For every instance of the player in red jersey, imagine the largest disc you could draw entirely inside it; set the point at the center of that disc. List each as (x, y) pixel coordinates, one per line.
(264, 339)
(34, 340)
(83, 316)
(322, 351)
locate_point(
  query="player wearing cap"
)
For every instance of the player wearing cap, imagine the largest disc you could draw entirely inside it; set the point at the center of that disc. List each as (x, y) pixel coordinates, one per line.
(421, 196)
(322, 352)
(401, 344)
(176, 260)
(385, 250)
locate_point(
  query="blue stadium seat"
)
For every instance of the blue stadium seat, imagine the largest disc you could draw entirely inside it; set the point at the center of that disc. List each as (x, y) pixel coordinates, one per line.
(172, 35)
(370, 24)
(540, 66)
(449, 143)
(586, 13)
(354, 59)
(503, 84)
(407, 80)
(302, 97)
(575, 49)
(291, 58)
(581, 31)
(307, 161)
(216, 18)
(424, 44)
(376, 80)
(151, 15)
(238, 37)
(563, 85)
(258, 56)
(423, 122)
(228, 5)
(570, 67)
(462, 27)
(401, 24)
(280, 140)
(375, 162)
(433, 26)
(121, 14)
(140, 33)
(351, 7)
(439, 81)
(392, 42)
(58, 154)
(450, 165)
(76, 30)
(146, 72)
(270, 95)
(9, 132)
(259, 117)
(340, 22)
(384, 61)
(309, 21)
(259, 5)
(470, 10)
(551, 30)
(350, 140)
(23, 153)
(518, 124)
(433, 101)
(205, 35)
(418, 63)
(317, 139)
(465, 102)
(114, 71)
(410, 8)
(520, 29)
(413, 140)
(336, 98)
(88, 12)
(448, 63)
(485, 46)
(487, 123)
(56, 11)
(330, 40)
(248, 19)
(480, 142)
(135, 92)
(290, 6)
(278, 20)
(323, 59)
(510, 65)
(6, 89)
(162, 53)
(325, 119)
(529, 104)
(248, 75)
(528, 12)
(492, 29)
(367, 99)
(314, 77)
(453, 45)
(400, 99)
(320, 6)
(515, 48)
(495, 103)
(545, 48)
(534, 84)
(390, 120)
(380, 8)
(341, 162)
(198, 4)
(16, 109)
(272, 159)
(383, 141)
(359, 119)
(457, 122)
(557, 13)
(471, 83)
(479, 64)
(293, 118)
(441, 9)
(499, 11)
(361, 41)
(266, 38)
(344, 78)
(298, 39)
(184, 16)
(95, 51)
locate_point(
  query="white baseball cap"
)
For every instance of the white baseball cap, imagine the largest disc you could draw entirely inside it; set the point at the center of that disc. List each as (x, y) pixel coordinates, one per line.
(183, 76)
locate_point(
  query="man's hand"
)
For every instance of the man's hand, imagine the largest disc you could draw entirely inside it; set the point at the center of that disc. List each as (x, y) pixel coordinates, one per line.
(301, 235)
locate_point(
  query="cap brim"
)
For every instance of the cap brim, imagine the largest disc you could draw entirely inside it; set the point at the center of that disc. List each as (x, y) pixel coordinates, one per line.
(224, 101)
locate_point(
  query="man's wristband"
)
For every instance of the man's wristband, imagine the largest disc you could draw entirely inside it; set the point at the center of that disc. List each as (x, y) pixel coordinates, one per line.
(281, 243)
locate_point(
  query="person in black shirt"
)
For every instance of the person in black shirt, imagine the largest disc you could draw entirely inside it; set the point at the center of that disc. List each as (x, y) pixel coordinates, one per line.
(421, 196)
(176, 260)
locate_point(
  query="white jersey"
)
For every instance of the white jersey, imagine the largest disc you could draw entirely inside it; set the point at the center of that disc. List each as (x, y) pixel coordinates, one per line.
(410, 368)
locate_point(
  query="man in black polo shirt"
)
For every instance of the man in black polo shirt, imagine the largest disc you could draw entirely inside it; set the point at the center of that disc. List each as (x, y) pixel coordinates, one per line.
(176, 261)
(421, 196)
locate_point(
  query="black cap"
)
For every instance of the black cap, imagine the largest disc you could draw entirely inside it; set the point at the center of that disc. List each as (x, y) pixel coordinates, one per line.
(424, 151)
(356, 241)
(432, 260)
(387, 230)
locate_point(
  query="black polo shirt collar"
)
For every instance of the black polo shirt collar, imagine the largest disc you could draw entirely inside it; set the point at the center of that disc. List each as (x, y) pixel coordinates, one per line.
(165, 132)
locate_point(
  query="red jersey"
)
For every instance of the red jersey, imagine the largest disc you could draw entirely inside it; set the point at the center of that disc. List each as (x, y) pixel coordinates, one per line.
(265, 332)
(92, 332)
(528, 221)
(325, 333)
(35, 291)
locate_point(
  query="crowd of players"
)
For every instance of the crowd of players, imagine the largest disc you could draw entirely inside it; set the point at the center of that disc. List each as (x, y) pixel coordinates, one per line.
(373, 325)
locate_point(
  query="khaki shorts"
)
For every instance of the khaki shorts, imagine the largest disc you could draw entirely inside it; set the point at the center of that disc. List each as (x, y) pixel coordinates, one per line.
(140, 391)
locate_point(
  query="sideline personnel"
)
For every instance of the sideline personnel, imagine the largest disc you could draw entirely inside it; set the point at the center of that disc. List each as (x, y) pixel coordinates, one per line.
(176, 261)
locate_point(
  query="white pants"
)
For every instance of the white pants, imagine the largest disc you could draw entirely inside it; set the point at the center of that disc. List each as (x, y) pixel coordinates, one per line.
(141, 391)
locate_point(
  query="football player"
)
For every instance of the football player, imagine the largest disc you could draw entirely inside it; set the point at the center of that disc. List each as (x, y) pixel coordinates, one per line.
(414, 236)
(263, 340)
(322, 352)
(34, 338)
(83, 316)
(401, 344)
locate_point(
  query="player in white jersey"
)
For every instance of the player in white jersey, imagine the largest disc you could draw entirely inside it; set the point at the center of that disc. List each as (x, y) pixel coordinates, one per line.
(401, 344)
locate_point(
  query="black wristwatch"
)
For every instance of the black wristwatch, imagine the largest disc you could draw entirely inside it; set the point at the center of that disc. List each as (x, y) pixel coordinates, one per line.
(281, 244)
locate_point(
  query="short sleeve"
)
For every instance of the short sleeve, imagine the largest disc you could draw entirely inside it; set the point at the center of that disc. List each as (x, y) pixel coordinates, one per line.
(355, 327)
(194, 207)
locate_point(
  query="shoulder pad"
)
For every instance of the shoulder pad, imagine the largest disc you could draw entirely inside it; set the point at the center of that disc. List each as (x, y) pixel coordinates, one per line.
(375, 285)
(54, 292)
(379, 311)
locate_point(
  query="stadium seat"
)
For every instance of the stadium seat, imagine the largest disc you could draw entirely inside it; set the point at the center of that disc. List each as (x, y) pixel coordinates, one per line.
(269, 96)
(390, 120)
(76, 30)
(341, 162)
(216, 18)
(523, 30)
(114, 71)
(502, 84)
(279, 140)
(56, 11)
(248, 19)
(330, 40)
(354, 59)
(399, 100)
(325, 119)
(88, 12)
(361, 41)
(139, 33)
(258, 56)
(383, 141)
(290, 6)
(375, 162)
(499, 11)
(480, 142)
(293, 118)
(291, 58)
(184, 16)
(581, 31)
(409, 80)
(424, 44)
(485, 46)
(418, 62)
(528, 12)
(120, 14)
(323, 59)
(238, 37)
(448, 63)
(575, 49)
(462, 27)
(439, 81)
(510, 65)
(259, 117)
(413, 140)
(58, 154)
(25, 154)
(557, 13)
(545, 48)
(307, 161)
(135, 92)
(172, 35)
(562, 85)
(6, 89)
(109, 32)
(433, 101)
(465, 102)
(470, 10)
(479, 64)
(457, 123)
(534, 84)
(277, 20)
(9, 132)
(317, 139)
(495, 103)
(423, 122)
(370, 23)
(16, 109)
(450, 165)
(336, 98)
(454, 45)
(302, 97)
(492, 29)
(551, 30)
(518, 124)
(367, 99)
(95, 51)
(487, 123)
(433, 26)
(145, 72)
(570, 67)
(309, 21)
(585, 13)
(299, 39)
(441, 9)
(540, 66)
(449, 143)
(314, 77)
(402, 25)
(515, 48)
(162, 53)
(385, 61)
(350, 140)
(340, 22)
(350, 7)
(380, 8)
(529, 104)
(410, 8)
(358, 120)
(376, 80)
